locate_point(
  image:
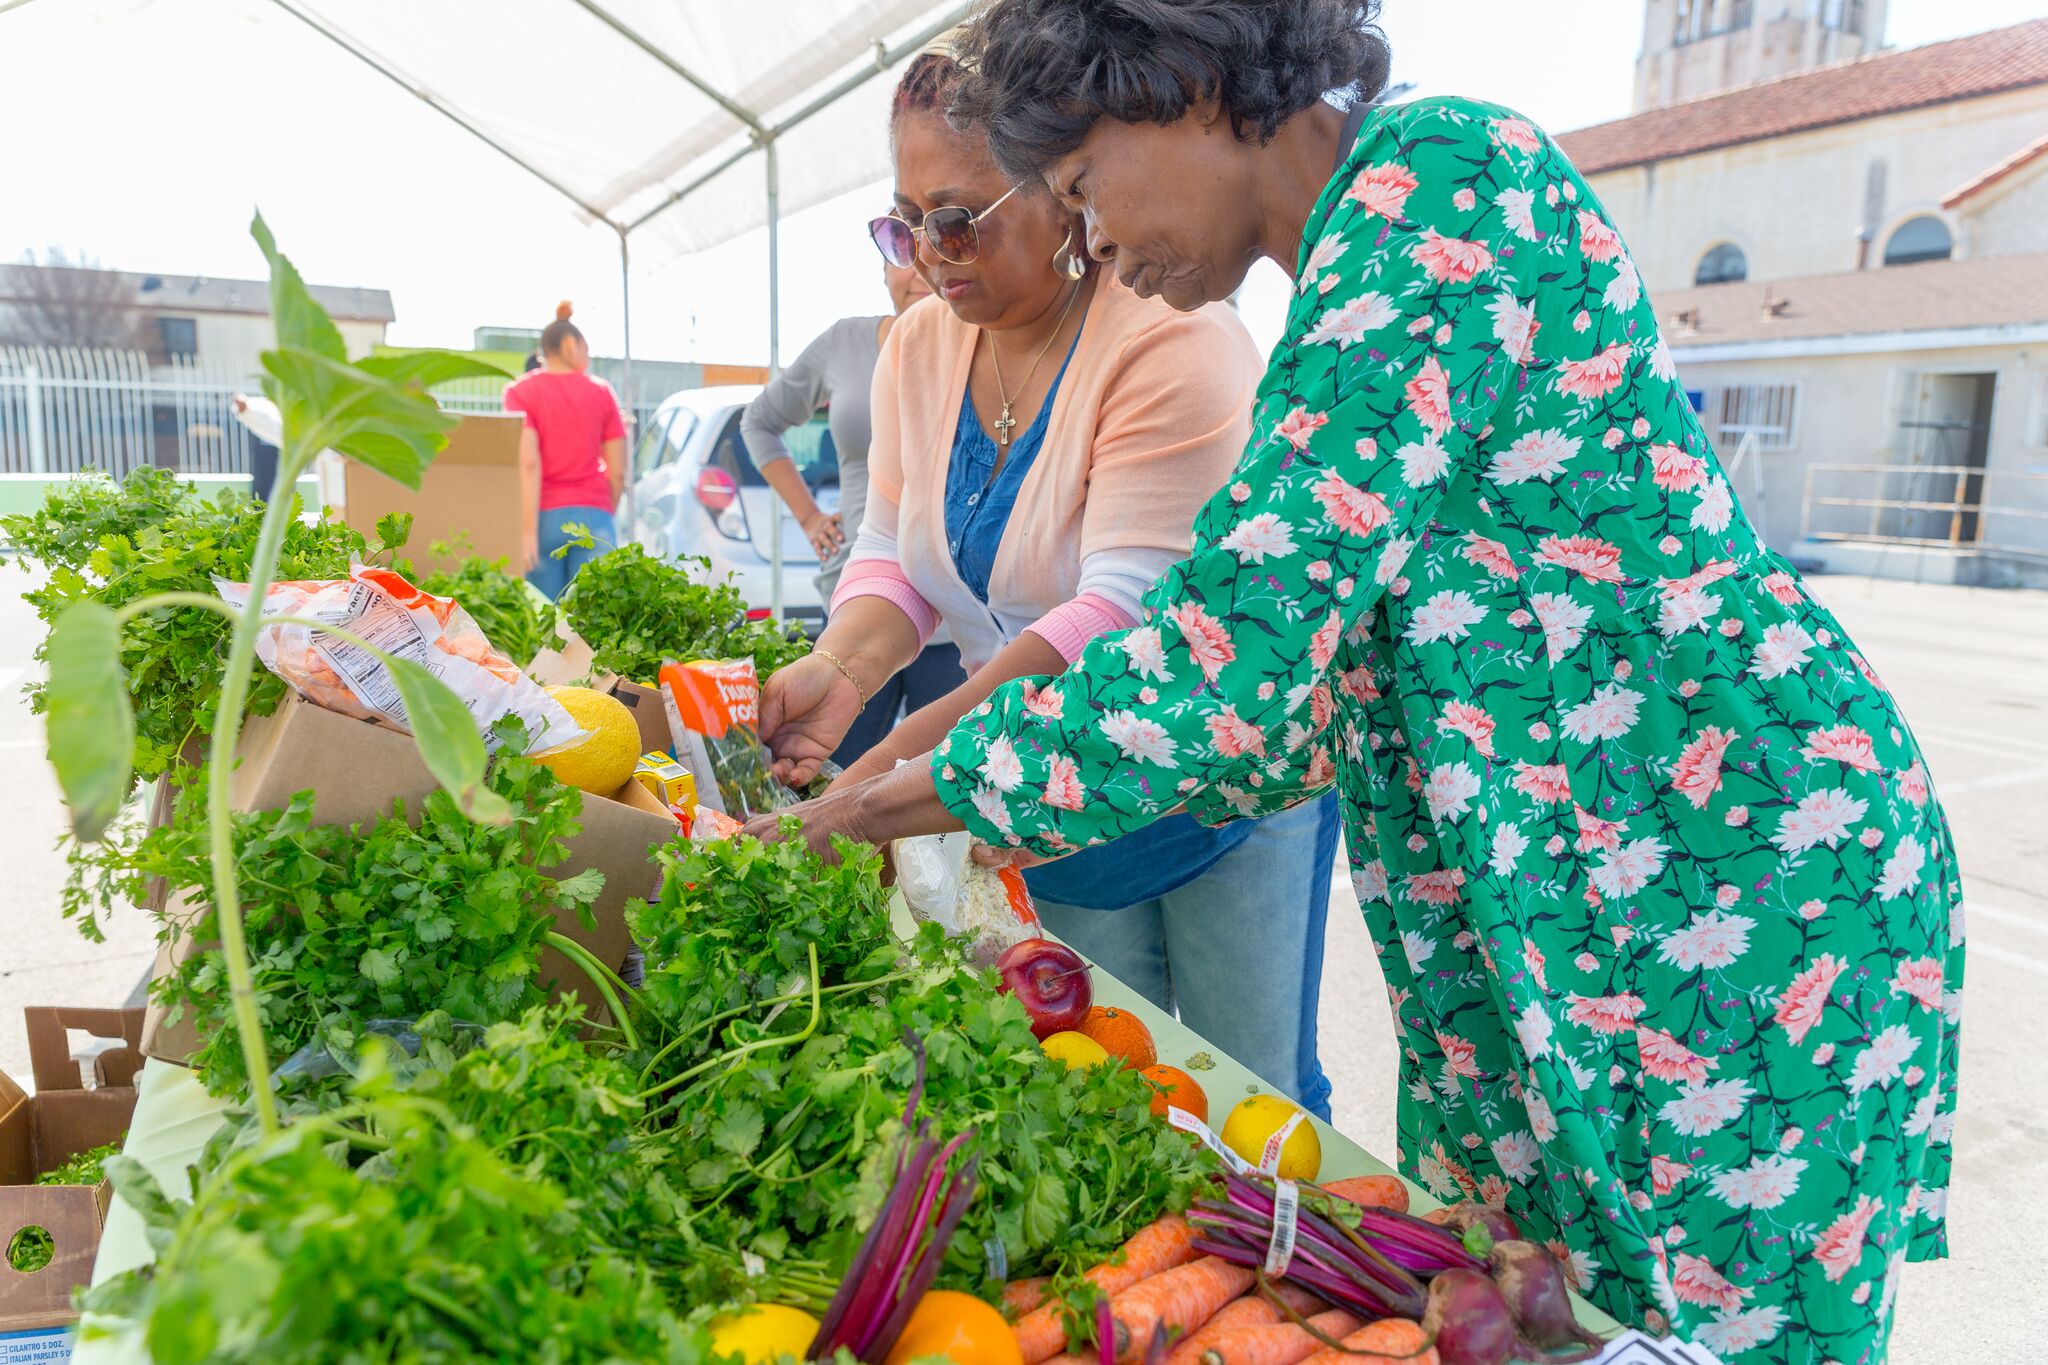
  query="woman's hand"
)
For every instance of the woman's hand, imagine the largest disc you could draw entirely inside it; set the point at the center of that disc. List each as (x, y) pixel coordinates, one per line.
(825, 531)
(836, 812)
(806, 709)
(896, 805)
(529, 550)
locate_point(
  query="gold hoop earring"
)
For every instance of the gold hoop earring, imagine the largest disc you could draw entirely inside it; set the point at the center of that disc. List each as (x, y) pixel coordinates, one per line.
(1069, 263)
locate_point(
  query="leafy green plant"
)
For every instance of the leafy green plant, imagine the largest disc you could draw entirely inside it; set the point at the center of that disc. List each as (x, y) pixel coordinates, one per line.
(479, 1212)
(636, 612)
(117, 545)
(375, 410)
(512, 616)
(385, 920)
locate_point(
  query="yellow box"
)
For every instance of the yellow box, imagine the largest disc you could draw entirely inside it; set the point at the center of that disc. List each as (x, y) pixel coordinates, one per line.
(668, 780)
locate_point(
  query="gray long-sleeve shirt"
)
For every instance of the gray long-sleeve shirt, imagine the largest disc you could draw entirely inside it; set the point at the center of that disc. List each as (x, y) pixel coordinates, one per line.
(838, 368)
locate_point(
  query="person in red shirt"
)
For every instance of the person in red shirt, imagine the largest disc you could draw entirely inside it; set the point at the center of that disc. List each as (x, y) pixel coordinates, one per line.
(572, 456)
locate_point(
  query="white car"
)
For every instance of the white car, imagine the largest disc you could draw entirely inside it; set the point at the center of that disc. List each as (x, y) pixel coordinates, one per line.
(695, 492)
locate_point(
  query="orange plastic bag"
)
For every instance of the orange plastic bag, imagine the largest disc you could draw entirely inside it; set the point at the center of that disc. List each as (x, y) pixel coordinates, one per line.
(385, 610)
(714, 718)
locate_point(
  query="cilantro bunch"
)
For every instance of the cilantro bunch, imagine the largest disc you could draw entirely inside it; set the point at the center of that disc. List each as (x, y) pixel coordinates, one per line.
(458, 1214)
(797, 1148)
(387, 919)
(111, 544)
(518, 620)
(636, 612)
(735, 925)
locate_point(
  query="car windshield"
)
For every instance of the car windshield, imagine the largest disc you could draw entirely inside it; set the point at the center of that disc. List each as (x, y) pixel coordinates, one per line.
(666, 436)
(810, 446)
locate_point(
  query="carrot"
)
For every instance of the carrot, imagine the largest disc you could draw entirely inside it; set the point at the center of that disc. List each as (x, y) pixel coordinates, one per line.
(1178, 1300)
(1390, 1341)
(1300, 1300)
(1280, 1343)
(1251, 1311)
(1021, 1296)
(1372, 1191)
(1157, 1247)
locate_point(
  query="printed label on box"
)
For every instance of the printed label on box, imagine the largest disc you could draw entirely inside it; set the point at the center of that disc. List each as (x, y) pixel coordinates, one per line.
(37, 1346)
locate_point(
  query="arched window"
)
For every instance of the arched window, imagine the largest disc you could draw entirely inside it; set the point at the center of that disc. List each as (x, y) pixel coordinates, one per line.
(1725, 264)
(1919, 239)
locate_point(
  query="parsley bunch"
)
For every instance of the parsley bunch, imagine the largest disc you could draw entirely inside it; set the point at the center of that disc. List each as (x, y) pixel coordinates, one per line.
(636, 612)
(113, 543)
(512, 616)
(799, 1147)
(458, 1215)
(735, 924)
(387, 919)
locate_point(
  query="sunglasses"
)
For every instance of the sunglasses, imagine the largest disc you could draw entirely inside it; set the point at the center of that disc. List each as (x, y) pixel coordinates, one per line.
(952, 234)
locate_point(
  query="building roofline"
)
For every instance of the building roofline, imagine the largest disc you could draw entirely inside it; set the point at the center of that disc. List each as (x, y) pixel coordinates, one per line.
(1653, 122)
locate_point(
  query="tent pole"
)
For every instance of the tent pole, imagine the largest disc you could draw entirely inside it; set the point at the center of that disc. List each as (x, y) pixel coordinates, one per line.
(625, 511)
(774, 363)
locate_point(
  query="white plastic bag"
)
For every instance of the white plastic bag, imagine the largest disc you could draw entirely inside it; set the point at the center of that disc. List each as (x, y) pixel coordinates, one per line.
(943, 885)
(381, 607)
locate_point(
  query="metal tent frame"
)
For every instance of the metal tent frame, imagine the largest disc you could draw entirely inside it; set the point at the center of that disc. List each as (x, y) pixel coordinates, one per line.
(762, 136)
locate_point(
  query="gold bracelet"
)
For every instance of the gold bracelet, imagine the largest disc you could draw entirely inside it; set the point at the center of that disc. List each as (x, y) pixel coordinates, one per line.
(833, 659)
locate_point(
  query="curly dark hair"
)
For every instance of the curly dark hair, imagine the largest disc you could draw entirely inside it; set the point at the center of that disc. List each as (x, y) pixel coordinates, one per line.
(1039, 73)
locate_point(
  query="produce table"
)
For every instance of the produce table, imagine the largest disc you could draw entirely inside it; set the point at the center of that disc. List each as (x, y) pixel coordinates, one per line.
(1227, 1082)
(174, 1117)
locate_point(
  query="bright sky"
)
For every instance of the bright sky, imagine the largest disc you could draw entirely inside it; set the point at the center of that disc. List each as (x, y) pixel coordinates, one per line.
(143, 132)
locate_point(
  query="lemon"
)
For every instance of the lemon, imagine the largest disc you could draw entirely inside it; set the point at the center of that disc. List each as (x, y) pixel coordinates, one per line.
(1075, 1049)
(764, 1333)
(603, 760)
(1255, 1120)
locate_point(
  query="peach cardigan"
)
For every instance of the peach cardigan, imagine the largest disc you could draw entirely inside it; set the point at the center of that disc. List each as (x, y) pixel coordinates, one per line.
(1150, 419)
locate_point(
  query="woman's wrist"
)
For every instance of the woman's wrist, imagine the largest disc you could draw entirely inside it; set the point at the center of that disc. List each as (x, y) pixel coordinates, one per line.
(900, 804)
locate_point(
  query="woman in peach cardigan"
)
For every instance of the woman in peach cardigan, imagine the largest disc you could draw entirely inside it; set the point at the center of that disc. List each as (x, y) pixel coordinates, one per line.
(1042, 440)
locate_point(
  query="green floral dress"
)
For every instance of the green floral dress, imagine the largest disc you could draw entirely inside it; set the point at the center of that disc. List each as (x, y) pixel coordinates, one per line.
(1667, 909)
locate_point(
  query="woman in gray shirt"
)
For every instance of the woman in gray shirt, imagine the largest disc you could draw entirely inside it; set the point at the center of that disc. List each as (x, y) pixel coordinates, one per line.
(835, 372)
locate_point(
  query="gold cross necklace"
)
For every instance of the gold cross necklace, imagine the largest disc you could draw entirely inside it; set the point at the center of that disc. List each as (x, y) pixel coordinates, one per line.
(1005, 424)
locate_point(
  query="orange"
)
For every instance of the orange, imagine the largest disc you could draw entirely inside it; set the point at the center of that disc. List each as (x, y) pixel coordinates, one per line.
(1122, 1035)
(1172, 1086)
(960, 1328)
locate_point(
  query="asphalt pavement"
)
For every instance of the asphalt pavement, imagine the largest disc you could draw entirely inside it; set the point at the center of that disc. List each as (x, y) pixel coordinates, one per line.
(1968, 666)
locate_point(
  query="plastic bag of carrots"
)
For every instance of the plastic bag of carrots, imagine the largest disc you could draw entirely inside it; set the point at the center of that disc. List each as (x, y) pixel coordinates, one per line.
(381, 608)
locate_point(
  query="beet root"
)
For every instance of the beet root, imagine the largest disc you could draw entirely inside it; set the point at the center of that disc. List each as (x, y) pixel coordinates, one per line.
(1532, 1281)
(1468, 1319)
(1461, 1217)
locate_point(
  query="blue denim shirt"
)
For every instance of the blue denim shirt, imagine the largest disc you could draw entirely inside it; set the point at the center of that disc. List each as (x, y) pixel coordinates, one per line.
(1147, 863)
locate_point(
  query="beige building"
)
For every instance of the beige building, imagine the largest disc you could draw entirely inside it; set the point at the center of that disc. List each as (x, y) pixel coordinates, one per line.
(1695, 48)
(1851, 266)
(172, 319)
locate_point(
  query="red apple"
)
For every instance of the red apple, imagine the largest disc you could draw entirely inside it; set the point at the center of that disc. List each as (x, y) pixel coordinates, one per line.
(1052, 982)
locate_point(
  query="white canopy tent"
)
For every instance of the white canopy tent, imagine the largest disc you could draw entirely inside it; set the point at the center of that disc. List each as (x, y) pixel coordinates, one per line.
(633, 109)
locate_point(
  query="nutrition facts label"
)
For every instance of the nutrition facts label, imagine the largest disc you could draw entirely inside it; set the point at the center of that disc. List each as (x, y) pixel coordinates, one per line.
(391, 628)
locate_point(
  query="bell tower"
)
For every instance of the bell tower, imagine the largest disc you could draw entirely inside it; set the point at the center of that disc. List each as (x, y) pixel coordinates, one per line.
(1695, 48)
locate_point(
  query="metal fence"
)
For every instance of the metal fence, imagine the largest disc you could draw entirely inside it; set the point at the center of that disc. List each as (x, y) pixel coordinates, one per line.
(1949, 507)
(64, 410)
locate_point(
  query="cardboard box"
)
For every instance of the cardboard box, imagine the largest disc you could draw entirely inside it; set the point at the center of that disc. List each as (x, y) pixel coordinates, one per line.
(357, 769)
(40, 1132)
(471, 488)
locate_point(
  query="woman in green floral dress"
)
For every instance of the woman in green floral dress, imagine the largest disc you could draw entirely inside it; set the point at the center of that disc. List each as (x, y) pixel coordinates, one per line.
(1665, 904)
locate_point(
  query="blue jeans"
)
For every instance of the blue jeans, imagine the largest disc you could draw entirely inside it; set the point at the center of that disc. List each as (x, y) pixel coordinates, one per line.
(1237, 953)
(552, 575)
